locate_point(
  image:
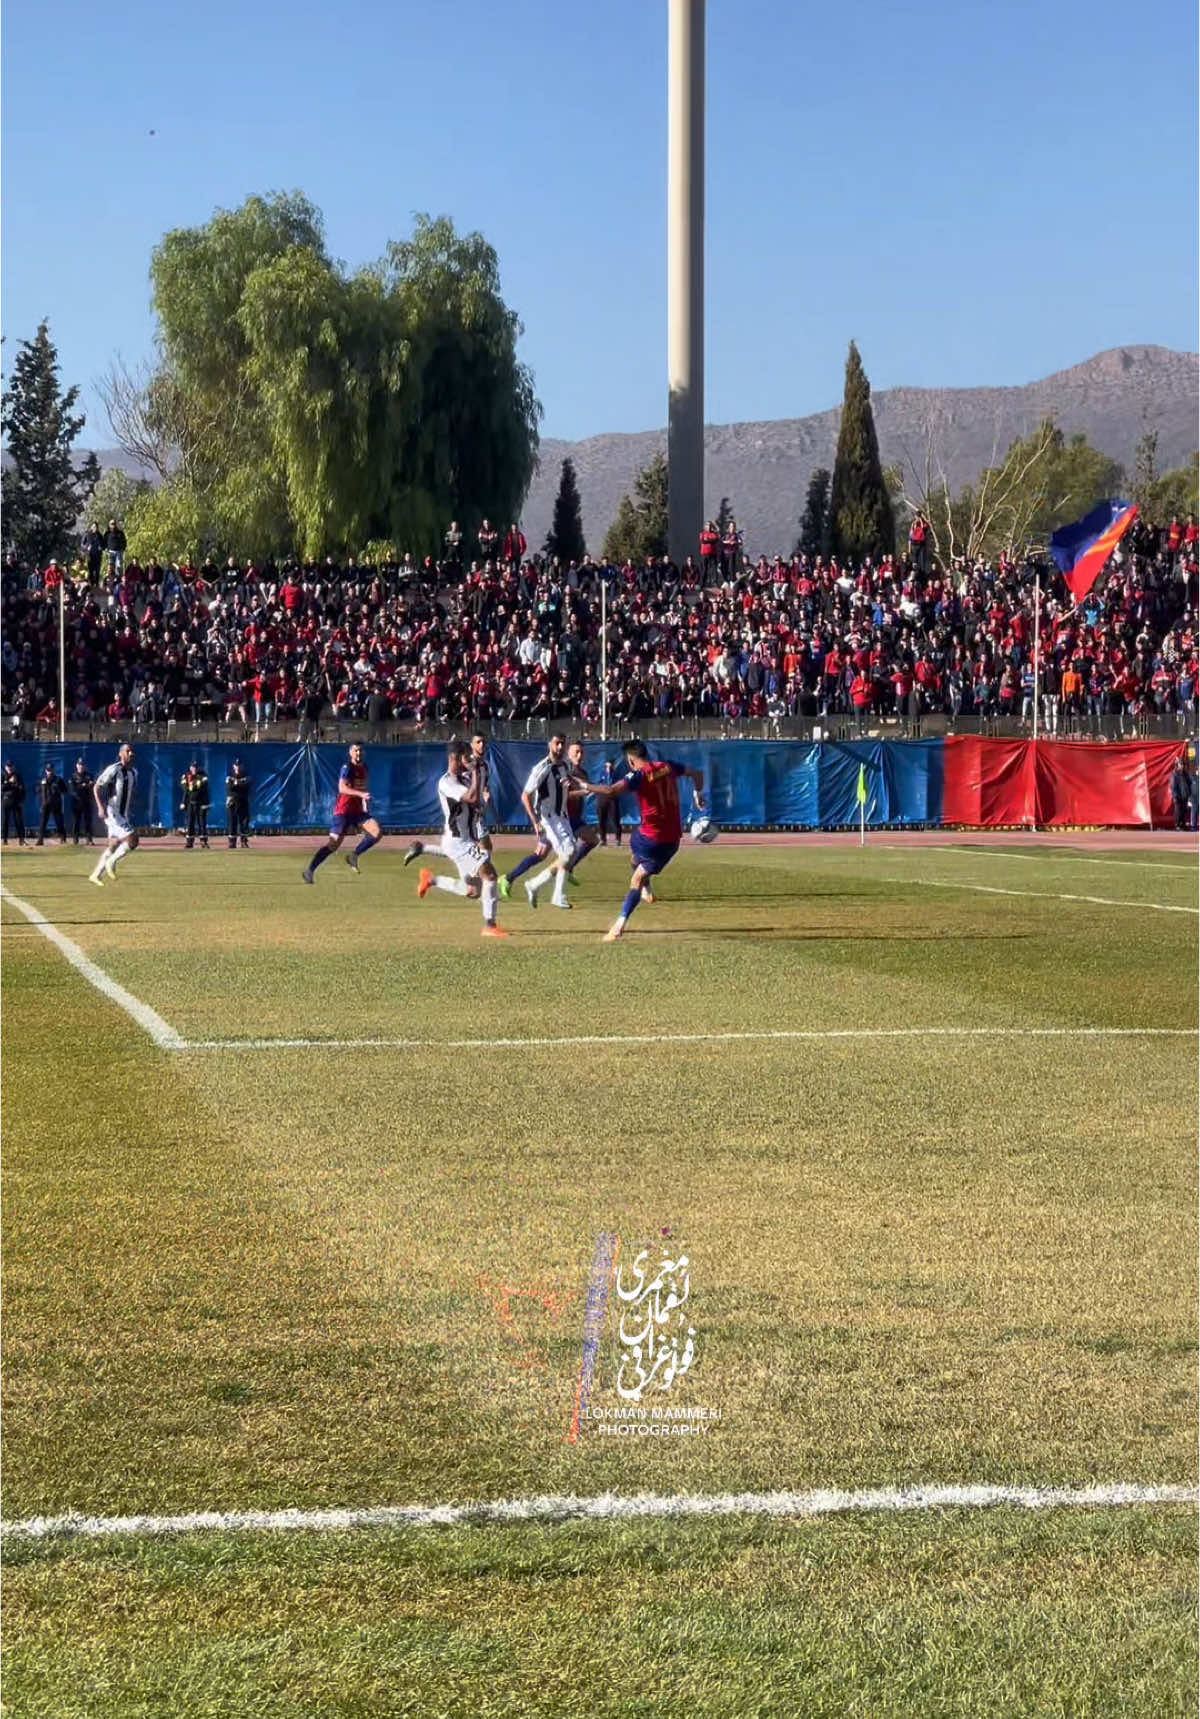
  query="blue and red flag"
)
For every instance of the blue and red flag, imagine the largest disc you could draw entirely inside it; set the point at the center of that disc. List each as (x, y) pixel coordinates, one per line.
(1081, 550)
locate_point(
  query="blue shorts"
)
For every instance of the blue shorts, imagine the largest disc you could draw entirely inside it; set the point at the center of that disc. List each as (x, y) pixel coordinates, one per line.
(345, 823)
(651, 856)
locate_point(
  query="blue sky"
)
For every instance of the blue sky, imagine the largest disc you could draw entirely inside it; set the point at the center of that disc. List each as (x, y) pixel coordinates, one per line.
(976, 195)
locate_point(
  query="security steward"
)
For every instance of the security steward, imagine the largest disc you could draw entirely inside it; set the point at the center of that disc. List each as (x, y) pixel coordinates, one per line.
(195, 803)
(79, 790)
(51, 789)
(12, 803)
(237, 805)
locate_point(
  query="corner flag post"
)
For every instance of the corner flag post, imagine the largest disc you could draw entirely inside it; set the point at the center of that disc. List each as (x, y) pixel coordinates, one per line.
(862, 805)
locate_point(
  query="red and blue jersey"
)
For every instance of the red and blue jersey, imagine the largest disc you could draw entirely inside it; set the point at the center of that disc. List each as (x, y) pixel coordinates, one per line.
(656, 786)
(352, 776)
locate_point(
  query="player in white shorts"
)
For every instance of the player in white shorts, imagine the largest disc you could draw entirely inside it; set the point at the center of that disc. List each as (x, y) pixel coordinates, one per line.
(545, 801)
(113, 790)
(480, 831)
(460, 791)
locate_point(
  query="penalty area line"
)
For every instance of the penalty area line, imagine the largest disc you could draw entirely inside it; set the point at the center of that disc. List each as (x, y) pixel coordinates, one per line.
(607, 1506)
(162, 1032)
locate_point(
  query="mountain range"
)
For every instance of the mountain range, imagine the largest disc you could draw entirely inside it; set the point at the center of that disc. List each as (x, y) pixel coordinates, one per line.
(764, 468)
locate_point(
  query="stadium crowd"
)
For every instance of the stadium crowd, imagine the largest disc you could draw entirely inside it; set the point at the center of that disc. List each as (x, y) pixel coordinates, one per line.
(507, 637)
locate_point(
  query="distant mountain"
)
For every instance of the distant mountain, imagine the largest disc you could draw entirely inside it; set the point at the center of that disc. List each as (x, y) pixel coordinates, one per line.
(764, 468)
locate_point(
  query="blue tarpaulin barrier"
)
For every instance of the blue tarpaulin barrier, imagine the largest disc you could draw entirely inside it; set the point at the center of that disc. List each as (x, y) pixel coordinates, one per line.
(750, 783)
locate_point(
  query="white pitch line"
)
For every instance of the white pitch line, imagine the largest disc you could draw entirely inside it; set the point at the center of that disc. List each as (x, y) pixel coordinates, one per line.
(1039, 894)
(607, 1506)
(162, 1032)
(1064, 856)
(766, 1036)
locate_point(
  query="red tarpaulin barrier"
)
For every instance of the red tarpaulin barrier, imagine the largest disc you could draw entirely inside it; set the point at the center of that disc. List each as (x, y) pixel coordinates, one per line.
(992, 782)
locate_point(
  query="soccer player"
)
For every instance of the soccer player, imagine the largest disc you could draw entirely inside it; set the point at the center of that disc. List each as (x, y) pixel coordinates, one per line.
(655, 842)
(349, 814)
(113, 790)
(460, 791)
(585, 834)
(481, 833)
(545, 801)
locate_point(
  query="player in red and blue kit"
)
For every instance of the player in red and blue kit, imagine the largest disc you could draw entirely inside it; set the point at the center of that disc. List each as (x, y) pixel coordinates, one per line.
(349, 814)
(655, 842)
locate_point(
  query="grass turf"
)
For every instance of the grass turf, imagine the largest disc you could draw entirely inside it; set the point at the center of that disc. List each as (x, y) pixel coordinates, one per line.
(323, 1278)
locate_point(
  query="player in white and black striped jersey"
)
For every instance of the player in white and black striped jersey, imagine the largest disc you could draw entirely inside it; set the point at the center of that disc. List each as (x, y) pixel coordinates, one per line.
(545, 801)
(114, 790)
(481, 833)
(459, 794)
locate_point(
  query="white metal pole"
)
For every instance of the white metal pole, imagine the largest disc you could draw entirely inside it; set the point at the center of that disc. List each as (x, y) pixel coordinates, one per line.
(862, 824)
(62, 657)
(1037, 632)
(603, 657)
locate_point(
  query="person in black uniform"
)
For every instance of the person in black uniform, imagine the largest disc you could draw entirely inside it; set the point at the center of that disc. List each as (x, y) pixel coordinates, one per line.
(12, 802)
(1181, 793)
(237, 805)
(51, 789)
(195, 803)
(80, 790)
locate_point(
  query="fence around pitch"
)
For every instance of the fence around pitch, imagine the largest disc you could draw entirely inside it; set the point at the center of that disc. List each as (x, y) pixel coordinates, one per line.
(963, 781)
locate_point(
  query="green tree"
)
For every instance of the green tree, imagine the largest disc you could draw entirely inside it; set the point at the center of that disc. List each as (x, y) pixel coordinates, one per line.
(860, 509)
(116, 496)
(43, 490)
(814, 521)
(1145, 470)
(296, 404)
(1175, 494)
(640, 528)
(565, 536)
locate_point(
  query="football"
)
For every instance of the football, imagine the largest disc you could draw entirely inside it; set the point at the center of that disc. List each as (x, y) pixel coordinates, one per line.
(703, 830)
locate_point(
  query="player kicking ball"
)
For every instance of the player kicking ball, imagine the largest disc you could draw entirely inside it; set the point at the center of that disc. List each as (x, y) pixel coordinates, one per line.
(655, 842)
(460, 792)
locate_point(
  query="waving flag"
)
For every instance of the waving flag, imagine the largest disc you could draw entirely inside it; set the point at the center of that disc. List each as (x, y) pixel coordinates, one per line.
(1081, 550)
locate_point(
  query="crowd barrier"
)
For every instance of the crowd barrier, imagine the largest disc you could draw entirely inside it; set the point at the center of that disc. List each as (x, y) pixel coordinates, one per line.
(961, 780)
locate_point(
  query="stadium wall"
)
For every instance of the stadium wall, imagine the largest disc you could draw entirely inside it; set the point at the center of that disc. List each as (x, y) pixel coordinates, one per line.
(961, 780)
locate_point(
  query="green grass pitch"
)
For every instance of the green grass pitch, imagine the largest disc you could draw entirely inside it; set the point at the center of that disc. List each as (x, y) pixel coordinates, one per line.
(311, 1277)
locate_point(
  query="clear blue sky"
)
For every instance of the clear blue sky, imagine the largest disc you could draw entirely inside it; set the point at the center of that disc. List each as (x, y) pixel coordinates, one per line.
(976, 195)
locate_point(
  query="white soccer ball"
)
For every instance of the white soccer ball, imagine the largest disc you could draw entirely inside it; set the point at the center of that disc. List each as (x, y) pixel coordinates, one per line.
(703, 830)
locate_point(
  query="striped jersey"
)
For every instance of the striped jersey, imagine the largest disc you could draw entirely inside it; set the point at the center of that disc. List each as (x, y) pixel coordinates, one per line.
(479, 823)
(547, 787)
(117, 785)
(456, 814)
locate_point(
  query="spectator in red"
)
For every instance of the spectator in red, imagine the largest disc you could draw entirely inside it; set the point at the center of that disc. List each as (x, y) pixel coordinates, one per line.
(860, 699)
(710, 549)
(515, 545)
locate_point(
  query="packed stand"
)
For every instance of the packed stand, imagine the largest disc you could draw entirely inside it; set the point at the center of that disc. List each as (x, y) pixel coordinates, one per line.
(501, 637)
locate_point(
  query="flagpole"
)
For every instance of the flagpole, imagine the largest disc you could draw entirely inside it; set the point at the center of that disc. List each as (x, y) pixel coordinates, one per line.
(62, 658)
(603, 657)
(862, 823)
(1037, 668)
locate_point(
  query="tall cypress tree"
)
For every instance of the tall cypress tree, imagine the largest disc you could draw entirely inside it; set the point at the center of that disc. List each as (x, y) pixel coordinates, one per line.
(860, 509)
(565, 536)
(43, 494)
(814, 521)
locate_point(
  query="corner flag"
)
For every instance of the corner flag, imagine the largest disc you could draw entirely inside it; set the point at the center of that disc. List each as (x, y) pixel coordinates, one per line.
(862, 805)
(862, 784)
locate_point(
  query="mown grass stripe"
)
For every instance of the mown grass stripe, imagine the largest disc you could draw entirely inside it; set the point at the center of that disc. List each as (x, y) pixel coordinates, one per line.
(608, 1506)
(1044, 895)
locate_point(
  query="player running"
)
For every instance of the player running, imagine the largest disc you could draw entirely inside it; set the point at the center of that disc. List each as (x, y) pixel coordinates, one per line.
(481, 833)
(655, 842)
(586, 836)
(460, 791)
(545, 801)
(349, 814)
(113, 791)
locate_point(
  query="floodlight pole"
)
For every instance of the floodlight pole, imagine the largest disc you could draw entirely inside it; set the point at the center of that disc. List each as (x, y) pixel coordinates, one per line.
(604, 654)
(685, 277)
(1037, 674)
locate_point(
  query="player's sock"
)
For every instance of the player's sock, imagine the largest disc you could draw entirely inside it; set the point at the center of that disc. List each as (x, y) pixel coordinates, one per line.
(522, 866)
(365, 843)
(434, 848)
(559, 897)
(535, 883)
(319, 858)
(452, 885)
(489, 898)
(117, 854)
(580, 851)
(630, 902)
